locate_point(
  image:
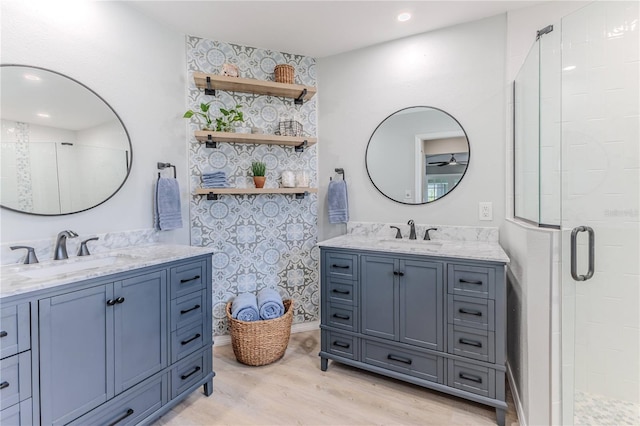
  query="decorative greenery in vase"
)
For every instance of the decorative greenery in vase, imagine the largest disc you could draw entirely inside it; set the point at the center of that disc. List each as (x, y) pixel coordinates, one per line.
(259, 168)
(223, 123)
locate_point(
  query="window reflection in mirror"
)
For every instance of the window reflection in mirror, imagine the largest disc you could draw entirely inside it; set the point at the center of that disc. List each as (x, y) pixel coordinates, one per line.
(64, 149)
(417, 155)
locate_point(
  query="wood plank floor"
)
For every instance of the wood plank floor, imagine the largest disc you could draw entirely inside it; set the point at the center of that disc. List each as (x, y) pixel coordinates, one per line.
(294, 391)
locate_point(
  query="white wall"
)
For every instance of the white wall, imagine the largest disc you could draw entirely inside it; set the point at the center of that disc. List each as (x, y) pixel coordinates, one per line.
(137, 66)
(458, 69)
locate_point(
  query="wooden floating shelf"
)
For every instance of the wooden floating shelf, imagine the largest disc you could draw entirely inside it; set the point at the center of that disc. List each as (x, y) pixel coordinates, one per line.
(214, 192)
(250, 85)
(203, 136)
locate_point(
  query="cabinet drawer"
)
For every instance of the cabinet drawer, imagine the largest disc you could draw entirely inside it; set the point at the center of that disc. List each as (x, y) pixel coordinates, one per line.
(18, 415)
(420, 365)
(472, 378)
(187, 309)
(187, 278)
(15, 329)
(188, 372)
(341, 344)
(341, 265)
(472, 343)
(475, 281)
(471, 312)
(341, 291)
(342, 316)
(137, 404)
(186, 340)
(15, 379)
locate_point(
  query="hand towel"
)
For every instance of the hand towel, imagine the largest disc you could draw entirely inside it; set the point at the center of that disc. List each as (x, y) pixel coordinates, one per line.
(338, 202)
(168, 214)
(245, 307)
(270, 304)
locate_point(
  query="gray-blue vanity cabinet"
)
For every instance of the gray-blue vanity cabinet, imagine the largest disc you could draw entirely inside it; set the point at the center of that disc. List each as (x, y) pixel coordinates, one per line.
(433, 321)
(100, 341)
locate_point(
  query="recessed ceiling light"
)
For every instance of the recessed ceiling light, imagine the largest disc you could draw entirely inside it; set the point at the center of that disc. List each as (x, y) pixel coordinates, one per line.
(405, 16)
(43, 115)
(32, 77)
(569, 68)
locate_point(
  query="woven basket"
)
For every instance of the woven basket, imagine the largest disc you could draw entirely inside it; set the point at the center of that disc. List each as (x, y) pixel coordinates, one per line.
(261, 342)
(284, 73)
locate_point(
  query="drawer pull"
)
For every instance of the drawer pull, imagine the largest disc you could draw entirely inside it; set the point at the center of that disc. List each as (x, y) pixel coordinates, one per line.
(341, 344)
(184, 342)
(3, 333)
(462, 280)
(470, 342)
(341, 316)
(197, 277)
(186, 376)
(393, 357)
(4, 385)
(470, 312)
(189, 310)
(341, 291)
(121, 418)
(340, 266)
(470, 377)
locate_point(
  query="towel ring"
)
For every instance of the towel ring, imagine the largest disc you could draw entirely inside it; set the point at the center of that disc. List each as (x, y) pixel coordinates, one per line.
(340, 171)
(162, 166)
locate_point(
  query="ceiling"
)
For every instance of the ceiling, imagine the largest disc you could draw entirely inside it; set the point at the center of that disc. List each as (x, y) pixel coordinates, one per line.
(316, 28)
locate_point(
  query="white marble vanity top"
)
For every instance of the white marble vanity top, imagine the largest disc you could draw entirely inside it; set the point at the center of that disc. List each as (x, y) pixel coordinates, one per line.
(18, 279)
(475, 250)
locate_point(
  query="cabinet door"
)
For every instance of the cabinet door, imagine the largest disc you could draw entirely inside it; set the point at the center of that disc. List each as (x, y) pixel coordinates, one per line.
(421, 304)
(379, 292)
(140, 328)
(76, 353)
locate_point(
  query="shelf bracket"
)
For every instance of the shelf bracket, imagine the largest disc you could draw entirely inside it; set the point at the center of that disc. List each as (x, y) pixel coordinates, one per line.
(301, 195)
(300, 99)
(302, 146)
(208, 90)
(210, 143)
(212, 197)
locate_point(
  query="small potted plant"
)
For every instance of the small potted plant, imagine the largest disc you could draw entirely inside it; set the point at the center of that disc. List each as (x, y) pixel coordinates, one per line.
(258, 168)
(224, 123)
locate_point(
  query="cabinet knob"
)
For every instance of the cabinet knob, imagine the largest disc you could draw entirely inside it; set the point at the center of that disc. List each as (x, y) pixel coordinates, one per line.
(4, 384)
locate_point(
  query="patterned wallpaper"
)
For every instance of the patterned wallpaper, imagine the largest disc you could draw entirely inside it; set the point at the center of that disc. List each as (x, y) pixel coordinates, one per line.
(259, 240)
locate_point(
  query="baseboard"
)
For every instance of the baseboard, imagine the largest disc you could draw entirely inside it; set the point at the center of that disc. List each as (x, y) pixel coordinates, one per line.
(516, 397)
(295, 328)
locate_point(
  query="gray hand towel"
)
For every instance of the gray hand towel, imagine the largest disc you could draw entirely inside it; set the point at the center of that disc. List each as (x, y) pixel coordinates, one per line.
(338, 202)
(168, 214)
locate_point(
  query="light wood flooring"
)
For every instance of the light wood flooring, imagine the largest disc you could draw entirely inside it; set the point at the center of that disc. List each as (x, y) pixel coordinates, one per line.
(294, 391)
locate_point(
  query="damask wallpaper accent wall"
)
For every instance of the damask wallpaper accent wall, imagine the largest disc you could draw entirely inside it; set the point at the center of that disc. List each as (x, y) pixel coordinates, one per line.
(259, 240)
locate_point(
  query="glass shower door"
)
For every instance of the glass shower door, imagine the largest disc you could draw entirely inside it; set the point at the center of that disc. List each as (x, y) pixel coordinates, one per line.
(600, 215)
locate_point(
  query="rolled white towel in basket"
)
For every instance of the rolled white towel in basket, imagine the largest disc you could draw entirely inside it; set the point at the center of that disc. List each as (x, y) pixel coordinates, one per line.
(270, 304)
(245, 307)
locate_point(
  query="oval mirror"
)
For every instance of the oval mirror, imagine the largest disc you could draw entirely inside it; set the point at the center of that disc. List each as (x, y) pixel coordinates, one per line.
(64, 149)
(417, 155)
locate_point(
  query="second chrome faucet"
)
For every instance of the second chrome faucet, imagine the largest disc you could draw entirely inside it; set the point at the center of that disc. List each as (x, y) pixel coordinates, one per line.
(60, 251)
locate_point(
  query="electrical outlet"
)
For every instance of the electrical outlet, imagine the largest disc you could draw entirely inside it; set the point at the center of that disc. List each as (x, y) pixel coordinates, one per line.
(485, 210)
(407, 194)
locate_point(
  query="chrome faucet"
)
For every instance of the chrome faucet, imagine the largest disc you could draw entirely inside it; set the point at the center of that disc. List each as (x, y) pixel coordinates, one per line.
(61, 245)
(412, 231)
(426, 233)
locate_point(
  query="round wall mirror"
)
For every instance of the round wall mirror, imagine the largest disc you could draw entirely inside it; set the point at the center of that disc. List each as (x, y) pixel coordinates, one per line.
(417, 155)
(64, 149)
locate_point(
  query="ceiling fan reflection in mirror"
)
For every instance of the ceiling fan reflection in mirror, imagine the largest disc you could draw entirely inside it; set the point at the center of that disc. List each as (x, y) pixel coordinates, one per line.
(452, 162)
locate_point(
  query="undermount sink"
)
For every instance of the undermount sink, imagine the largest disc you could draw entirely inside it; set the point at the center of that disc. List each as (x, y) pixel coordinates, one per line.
(78, 264)
(419, 244)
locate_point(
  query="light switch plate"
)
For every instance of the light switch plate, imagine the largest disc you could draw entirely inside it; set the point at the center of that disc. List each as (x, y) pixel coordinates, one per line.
(485, 210)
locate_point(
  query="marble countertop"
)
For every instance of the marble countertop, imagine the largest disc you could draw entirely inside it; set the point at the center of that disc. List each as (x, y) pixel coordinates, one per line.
(475, 250)
(19, 279)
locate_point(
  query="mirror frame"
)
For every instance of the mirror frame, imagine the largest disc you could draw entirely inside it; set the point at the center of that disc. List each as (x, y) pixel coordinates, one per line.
(392, 114)
(114, 113)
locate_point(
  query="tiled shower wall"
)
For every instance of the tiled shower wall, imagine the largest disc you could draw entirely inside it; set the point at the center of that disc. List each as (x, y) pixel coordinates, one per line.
(259, 240)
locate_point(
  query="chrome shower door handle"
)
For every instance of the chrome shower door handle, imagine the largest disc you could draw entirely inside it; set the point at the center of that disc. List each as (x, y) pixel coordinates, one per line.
(574, 255)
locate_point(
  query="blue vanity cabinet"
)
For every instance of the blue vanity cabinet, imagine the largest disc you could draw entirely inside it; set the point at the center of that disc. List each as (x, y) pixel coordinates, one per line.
(438, 322)
(100, 341)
